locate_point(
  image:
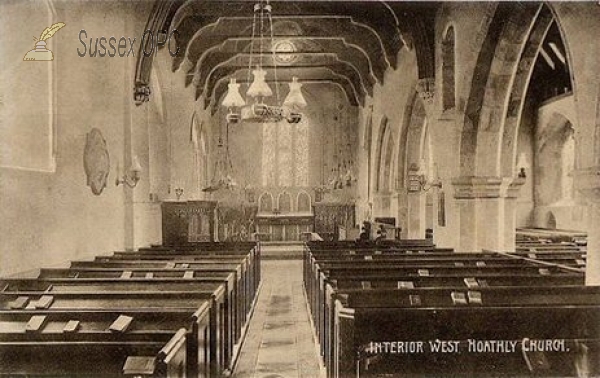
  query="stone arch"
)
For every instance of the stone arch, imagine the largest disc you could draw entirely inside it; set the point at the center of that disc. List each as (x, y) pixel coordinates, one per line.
(518, 91)
(265, 202)
(379, 147)
(415, 135)
(497, 58)
(414, 108)
(448, 69)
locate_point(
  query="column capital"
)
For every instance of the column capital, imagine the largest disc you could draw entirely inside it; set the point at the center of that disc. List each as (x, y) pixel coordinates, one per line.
(587, 182)
(513, 189)
(471, 187)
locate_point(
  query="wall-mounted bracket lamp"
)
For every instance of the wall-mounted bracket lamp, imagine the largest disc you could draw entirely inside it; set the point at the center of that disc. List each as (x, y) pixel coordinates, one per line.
(132, 176)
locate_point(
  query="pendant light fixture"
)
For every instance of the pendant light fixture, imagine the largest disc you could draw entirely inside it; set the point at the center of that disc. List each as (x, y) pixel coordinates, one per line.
(253, 108)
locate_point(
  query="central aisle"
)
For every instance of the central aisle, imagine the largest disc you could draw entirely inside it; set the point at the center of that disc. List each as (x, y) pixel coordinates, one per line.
(280, 340)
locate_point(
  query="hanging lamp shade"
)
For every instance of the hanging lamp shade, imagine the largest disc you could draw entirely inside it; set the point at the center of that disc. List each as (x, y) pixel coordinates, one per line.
(233, 97)
(259, 87)
(295, 99)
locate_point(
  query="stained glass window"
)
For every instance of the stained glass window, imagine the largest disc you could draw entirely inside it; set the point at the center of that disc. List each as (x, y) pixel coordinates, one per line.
(285, 154)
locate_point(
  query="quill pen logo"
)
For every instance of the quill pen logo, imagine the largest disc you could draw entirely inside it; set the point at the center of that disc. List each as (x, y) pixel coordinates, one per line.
(41, 53)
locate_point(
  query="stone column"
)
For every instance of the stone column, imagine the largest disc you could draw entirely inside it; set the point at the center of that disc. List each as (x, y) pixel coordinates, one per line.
(481, 212)
(415, 229)
(510, 213)
(587, 184)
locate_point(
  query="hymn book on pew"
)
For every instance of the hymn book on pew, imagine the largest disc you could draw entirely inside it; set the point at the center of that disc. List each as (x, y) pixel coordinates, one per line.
(127, 274)
(423, 272)
(36, 323)
(19, 303)
(458, 297)
(121, 324)
(471, 282)
(474, 297)
(188, 274)
(71, 326)
(44, 302)
(406, 285)
(139, 365)
(414, 299)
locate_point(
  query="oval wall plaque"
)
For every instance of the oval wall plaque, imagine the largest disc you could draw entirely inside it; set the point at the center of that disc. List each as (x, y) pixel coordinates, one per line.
(96, 161)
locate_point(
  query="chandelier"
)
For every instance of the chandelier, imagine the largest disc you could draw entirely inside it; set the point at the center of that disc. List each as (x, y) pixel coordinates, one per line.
(253, 108)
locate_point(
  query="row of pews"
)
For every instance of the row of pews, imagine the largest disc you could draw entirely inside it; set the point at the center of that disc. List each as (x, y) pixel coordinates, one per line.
(157, 312)
(411, 309)
(558, 247)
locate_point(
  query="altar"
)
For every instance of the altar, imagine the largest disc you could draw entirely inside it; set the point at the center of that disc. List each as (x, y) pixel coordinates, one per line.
(284, 227)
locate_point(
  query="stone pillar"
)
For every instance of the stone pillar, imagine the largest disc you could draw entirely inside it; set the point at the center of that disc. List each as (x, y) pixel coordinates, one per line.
(481, 213)
(415, 229)
(510, 213)
(587, 184)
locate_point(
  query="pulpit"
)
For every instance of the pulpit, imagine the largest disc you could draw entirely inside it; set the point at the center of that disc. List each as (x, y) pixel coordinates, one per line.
(189, 221)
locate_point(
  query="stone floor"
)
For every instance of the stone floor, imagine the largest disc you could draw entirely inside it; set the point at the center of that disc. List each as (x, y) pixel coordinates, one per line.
(280, 341)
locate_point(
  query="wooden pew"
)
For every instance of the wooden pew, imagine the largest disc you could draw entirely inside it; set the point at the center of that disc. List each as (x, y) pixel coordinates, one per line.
(250, 249)
(134, 326)
(251, 265)
(365, 319)
(350, 271)
(233, 298)
(239, 267)
(139, 281)
(119, 301)
(244, 283)
(226, 321)
(103, 355)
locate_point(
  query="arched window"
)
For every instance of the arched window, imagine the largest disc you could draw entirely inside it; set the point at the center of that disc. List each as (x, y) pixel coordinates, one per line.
(448, 71)
(383, 130)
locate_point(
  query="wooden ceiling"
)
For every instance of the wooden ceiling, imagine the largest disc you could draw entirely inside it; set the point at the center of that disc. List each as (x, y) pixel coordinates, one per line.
(349, 44)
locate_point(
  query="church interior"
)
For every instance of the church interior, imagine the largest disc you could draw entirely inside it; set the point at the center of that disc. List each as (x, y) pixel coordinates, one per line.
(291, 188)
